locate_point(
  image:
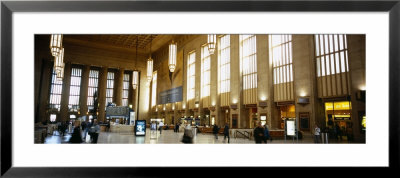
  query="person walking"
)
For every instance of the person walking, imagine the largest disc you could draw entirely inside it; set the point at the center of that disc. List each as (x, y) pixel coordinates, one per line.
(95, 129)
(317, 133)
(84, 129)
(259, 133)
(76, 134)
(226, 132)
(176, 127)
(215, 131)
(266, 133)
(161, 124)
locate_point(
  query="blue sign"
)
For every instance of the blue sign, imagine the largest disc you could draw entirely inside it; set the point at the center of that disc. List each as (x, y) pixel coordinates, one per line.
(170, 96)
(140, 128)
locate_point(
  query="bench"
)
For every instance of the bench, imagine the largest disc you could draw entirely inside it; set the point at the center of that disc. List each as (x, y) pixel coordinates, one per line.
(210, 130)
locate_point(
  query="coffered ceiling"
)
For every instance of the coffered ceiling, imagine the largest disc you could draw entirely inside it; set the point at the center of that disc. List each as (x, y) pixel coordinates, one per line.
(120, 42)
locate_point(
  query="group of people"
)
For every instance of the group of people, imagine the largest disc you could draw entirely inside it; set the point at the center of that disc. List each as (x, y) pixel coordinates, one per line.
(338, 133)
(226, 131)
(261, 133)
(83, 129)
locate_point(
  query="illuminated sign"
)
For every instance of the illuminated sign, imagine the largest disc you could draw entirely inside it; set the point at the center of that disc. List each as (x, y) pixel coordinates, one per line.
(364, 123)
(290, 127)
(140, 128)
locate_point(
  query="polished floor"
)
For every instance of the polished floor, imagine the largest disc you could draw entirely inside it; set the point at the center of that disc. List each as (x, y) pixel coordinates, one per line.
(170, 137)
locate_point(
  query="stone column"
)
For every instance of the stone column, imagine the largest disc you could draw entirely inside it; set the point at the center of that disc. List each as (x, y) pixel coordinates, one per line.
(236, 82)
(215, 102)
(119, 83)
(356, 53)
(65, 93)
(43, 99)
(263, 75)
(84, 91)
(304, 74)
(102, 93)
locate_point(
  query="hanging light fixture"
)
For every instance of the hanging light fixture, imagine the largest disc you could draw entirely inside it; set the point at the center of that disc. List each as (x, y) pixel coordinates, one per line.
(211, 43)
(172, 57)
(60, 74)
(150, 65)
(135, 75)
(55, 44)
(58, 61)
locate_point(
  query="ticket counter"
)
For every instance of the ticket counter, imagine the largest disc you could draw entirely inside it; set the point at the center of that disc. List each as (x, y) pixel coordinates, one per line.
(118, 128)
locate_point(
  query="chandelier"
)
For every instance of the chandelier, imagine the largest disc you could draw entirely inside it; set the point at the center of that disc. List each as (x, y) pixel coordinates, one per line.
(150, 65)
(135, 79)
(172, 57)
(56, 44)
(58, 61)
(60, 75)
(135, 75)
(211, 40)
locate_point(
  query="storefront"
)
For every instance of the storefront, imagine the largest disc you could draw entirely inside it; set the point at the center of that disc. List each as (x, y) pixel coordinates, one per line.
(287, 111)
(338, 113)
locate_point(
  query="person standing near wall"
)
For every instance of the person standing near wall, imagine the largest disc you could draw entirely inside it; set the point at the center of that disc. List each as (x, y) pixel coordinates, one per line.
(317, 133)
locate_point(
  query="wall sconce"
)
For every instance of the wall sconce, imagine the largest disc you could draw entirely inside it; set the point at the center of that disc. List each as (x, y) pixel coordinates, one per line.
(234, 101)
(263, 98)
(234, 106)
(262, 104)
(303, 100)
(212, 108)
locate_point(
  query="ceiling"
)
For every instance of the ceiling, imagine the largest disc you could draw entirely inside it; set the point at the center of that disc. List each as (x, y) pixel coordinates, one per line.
(124, 41)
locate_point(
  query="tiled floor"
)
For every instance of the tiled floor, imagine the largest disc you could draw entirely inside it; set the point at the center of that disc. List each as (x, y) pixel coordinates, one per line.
(170, 137)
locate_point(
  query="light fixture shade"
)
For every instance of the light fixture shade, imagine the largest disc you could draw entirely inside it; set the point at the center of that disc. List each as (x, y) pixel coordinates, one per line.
(211, 43)
(135, 79)
(60, 74)
(172, 57)
(58, 61)
(149, 69)
(55, 44)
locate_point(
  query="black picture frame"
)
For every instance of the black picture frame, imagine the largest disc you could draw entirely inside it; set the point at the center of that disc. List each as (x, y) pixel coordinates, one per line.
(8, 7)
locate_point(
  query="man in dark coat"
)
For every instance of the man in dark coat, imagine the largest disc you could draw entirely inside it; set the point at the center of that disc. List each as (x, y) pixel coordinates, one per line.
(259, 133)
(215, 131)
(226, 132)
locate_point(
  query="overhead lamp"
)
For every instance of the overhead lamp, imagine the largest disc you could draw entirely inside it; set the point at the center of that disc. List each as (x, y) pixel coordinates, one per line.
(150, 66)
(55, 44)
(149, 69)
(172, 57)
(135, 74)
(211, 43)
(58, 61)
(60, 75)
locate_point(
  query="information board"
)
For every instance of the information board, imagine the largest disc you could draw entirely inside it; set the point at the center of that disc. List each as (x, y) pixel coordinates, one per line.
(290, 128)
(170, 96)
(140, 128)
(117, 111)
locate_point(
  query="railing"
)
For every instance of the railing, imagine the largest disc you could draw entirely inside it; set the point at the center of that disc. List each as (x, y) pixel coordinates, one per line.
(244, 135)
(249, 134)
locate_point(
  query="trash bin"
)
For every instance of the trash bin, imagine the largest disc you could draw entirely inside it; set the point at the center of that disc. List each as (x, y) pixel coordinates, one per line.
(325, 137)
